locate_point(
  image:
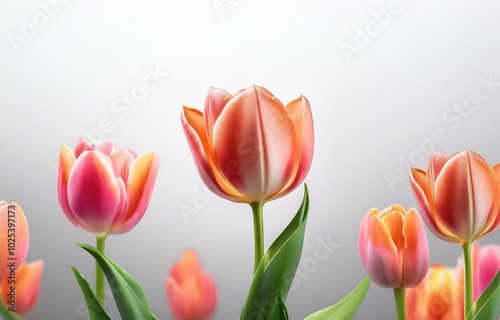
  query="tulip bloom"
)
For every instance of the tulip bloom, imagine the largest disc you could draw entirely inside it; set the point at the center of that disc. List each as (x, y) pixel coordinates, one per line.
(26, 287)
(191, 293)
(103, 188)
(437, 297)
(393, 247)
(249, 147)
(14, 237)
(458, 196)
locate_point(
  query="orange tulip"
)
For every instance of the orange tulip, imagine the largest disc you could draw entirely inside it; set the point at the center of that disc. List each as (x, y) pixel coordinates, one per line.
(436, 297)
(393, 247)
(250, 147)
(103, 188)
(458, 196)
(14, 238)
(20, 294)
(192, 293)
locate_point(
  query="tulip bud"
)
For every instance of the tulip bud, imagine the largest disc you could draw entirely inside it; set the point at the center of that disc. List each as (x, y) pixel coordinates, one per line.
(191, 293)
(14, 238)
(393, 247)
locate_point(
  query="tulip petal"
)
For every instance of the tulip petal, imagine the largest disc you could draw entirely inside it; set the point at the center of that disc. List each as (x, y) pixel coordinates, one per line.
(141, 180)
(177, 301)
(121, 160)
(192, 121)
(488, 266)
(29, 277)
(66, 162)
(94, 192)
(12, 213)
(214, 104)
(466, 193)
(255, 134)
(208, 290)
(416, 257)
(382, 257)
(420, 187)
(299, 112)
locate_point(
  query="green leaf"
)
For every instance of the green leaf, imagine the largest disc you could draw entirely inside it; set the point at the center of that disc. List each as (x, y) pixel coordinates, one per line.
(278, 311)
(487, 306)
(6, 313)
(277, 268)
(129, 296)
(96, 311)
(346, 308)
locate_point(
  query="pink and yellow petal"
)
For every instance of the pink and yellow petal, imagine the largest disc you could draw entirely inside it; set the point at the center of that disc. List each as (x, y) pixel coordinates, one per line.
(416, 249)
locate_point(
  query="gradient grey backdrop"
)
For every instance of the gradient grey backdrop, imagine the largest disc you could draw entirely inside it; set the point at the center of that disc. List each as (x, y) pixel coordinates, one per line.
(375, 108)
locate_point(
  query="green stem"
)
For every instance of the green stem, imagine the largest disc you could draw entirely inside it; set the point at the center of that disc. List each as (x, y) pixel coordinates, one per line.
(400, 298)
(258, 231)
(99, 274)
(467, 277)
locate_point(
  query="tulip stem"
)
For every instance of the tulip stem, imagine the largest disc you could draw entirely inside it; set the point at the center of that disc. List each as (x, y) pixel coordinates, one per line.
(99, 274)
(467, 277)
(400, 298)
(258, 230)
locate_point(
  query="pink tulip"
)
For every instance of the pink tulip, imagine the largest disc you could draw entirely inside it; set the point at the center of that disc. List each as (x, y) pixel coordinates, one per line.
(250, 147)
(14, 238)
(393, 247)
(104, 188)
(25, 286)
(485, 265)
(192, 293)
(458, 196)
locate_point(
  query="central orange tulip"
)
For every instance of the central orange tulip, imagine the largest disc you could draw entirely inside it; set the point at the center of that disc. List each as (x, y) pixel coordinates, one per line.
(393, 247)
(458, 196)
(250, 147)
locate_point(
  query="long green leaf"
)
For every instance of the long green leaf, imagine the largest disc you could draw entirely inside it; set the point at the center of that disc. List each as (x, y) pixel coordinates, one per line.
(96, 311)
(346, 308)
(129, 296)
(6, 313)
(487, 306)
(277, 268)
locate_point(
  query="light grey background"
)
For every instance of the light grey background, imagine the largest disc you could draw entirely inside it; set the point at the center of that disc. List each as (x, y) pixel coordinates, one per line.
(375, 108)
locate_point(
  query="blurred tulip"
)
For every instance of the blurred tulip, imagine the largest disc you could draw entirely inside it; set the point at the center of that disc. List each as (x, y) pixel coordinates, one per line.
(458, 196)
(249, 147)
(14, 238)
(21, 292)
(191, 293)
(103, 188)
(393, 247)
(436, 297)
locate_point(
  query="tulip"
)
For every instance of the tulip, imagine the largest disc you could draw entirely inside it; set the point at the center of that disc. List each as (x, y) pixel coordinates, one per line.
(249, 147)
(393, 247)
(437, 297)
(191, 293)
(14, 238)
(394, 251)
(26, 287)
(103, 188)
(458, 196)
